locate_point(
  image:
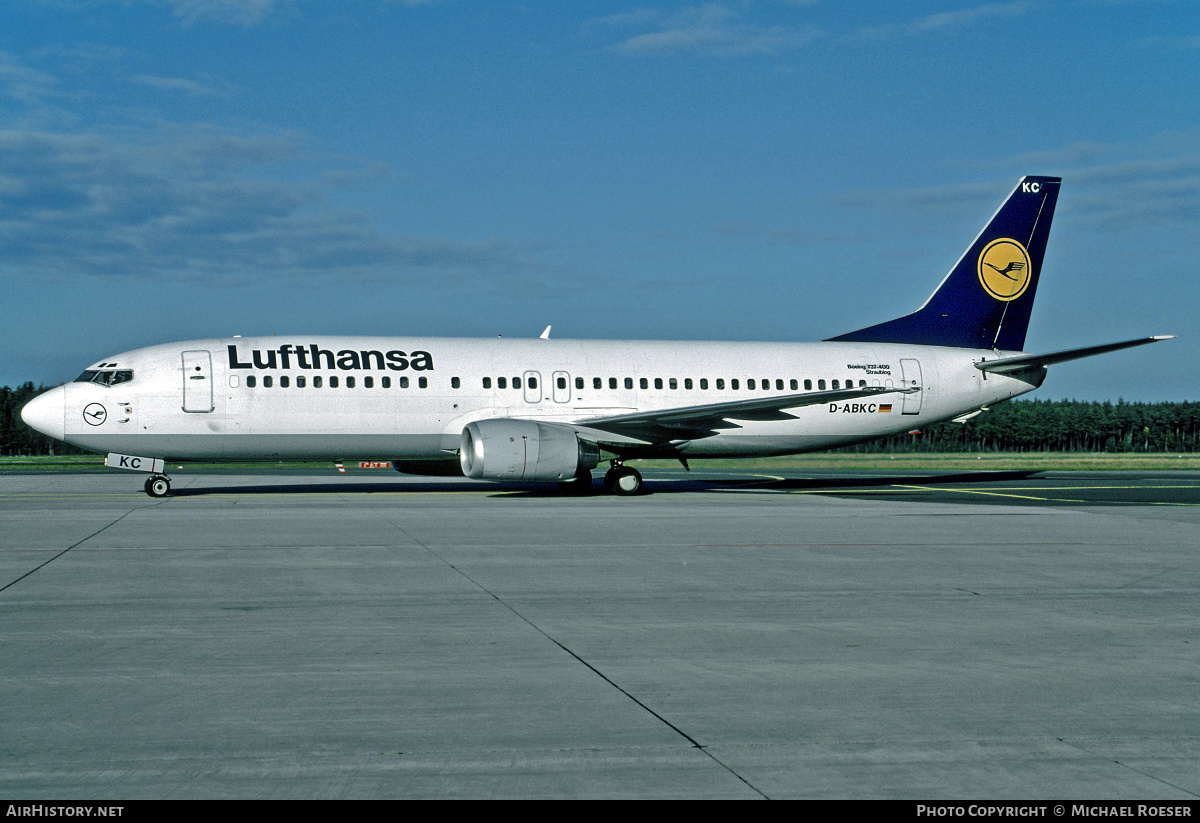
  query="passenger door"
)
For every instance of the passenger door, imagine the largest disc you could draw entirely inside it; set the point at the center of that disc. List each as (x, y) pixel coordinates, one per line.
(911, 371)
(533, 387)
(562, 387)
(197, 382)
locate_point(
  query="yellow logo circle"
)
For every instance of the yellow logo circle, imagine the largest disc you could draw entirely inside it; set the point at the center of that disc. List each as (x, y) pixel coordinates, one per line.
(1004, 269)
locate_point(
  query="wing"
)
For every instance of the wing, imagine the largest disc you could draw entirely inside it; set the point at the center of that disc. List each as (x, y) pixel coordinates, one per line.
(696, 422)
(1021, 362)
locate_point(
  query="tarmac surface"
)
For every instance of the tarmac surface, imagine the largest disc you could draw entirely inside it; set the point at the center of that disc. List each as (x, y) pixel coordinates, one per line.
(726, 634)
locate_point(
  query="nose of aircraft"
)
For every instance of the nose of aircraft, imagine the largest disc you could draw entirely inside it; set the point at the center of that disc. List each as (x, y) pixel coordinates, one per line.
(47, 413)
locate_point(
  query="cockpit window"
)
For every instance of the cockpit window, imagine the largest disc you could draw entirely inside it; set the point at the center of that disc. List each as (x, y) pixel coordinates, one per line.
(106, 378)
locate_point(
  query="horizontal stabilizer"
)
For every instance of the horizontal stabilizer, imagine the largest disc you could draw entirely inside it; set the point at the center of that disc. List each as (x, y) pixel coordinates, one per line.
(1022, 362)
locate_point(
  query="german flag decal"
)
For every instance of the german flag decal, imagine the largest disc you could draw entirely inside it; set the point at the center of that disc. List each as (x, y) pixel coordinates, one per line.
(885, 407)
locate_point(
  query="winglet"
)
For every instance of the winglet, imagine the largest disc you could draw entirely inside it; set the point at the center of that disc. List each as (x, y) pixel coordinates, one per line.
(546, 334)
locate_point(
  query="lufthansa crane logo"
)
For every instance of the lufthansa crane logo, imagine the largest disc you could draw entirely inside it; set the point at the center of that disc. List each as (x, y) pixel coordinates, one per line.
(1004, 269)
(94, 414)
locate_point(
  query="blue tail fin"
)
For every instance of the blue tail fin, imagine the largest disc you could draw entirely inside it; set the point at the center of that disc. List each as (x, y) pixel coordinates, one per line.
(985, 300)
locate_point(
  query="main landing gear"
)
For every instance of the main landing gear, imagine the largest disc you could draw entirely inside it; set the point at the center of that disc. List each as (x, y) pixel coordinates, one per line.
(622, 480)
(158, 485)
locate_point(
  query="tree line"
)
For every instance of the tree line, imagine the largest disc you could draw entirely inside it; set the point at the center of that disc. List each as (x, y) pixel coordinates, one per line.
(1011, 426)
(17, 439)
(1057, 426)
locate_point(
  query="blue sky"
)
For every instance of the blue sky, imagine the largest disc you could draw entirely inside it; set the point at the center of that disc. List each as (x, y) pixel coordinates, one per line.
(739, 170)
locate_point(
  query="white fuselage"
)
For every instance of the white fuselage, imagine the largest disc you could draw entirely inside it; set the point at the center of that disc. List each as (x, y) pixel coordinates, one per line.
(410, 398)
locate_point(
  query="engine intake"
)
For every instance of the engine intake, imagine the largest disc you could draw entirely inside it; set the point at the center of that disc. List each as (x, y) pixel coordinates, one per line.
(505, 449)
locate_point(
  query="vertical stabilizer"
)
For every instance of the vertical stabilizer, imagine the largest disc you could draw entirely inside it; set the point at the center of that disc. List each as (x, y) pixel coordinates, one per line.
(985, 300)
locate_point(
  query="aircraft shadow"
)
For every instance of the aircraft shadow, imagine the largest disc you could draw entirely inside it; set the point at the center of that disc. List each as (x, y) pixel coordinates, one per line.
(900, 480)
(334, 487)
(651, 486)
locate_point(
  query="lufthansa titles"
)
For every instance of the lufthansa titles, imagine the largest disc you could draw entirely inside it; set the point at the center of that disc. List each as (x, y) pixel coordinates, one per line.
(315, 357)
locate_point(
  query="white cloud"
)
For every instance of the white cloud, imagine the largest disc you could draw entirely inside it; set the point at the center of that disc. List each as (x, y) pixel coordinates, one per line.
(196, 203)
(195, 88)
(237, 12)
(946, 22)
(1141, 188)
(709, 29)
(183, 201)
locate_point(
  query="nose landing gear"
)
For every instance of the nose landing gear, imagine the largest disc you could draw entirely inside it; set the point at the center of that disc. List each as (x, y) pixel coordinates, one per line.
(158, 485)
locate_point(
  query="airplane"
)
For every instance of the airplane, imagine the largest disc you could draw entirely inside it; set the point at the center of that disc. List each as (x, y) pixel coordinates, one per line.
(552, 410)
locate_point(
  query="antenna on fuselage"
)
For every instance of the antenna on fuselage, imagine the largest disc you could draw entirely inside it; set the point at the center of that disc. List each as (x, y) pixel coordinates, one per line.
(546, 334)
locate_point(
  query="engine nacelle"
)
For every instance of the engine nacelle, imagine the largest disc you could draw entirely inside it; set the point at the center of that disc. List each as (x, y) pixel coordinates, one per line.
(505, 449)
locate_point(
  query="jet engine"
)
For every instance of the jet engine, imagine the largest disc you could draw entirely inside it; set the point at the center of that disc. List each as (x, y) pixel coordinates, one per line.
(505, 449)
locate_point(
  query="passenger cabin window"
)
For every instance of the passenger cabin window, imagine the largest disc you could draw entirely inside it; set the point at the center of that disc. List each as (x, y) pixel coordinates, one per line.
(629, 382)
(250, 381)
(517, 383)
(404, 383)
(487, 382)
(808, 385)
(267, 381)
(283, 382)
(643, 383)
(721, 383)
(658, 384)
(821, 385)
(704, 383)
(301, 381)
(733, 384)
(423, 382)
(333, 382)
(316, 381)
(369, 382)
(835, 384)
(673, 383)
(597, 383)
(750, 384)
(454, 382)
(349, 382)
(794, 384)
(579, 382)
(687, 383)
(502, 382)
(385, 382)
(612, 383)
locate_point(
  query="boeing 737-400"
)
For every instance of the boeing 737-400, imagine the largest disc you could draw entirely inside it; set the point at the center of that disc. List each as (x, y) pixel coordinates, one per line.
(552, 410)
